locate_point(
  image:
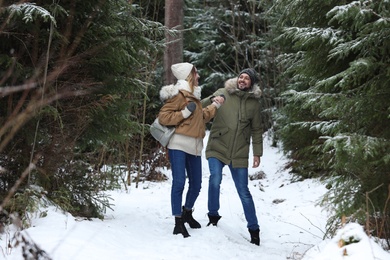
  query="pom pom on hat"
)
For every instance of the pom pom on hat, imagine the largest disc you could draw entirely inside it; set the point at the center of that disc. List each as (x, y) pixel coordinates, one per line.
(181, 70)
(252, 74)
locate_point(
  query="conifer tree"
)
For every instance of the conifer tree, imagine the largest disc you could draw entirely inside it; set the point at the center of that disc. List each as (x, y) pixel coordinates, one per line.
(77, 72)
(226, 36)
(336, 119)
(223, 37)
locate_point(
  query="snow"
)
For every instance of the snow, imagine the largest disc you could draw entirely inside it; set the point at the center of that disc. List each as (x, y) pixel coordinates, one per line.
(31, 10)
(364, 248)
(141, 225)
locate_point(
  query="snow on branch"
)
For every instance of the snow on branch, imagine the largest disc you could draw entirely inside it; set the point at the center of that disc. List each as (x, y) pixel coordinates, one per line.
(306, 36)
(29, 11)
(324, 127)
(368, 146)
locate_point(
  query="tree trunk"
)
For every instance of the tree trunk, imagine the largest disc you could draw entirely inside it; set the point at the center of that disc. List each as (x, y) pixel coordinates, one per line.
(174, 16)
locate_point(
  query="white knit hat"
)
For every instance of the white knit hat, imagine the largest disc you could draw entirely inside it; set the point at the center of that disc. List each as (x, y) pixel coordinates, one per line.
(181, 70)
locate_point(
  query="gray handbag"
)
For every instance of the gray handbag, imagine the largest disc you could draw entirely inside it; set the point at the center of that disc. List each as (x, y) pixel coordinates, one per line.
(161, 133)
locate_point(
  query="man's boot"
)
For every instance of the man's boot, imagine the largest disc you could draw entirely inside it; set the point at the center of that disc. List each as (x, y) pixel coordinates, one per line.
(213, 220)
(180, 228)
(255, 236)
(187, 217)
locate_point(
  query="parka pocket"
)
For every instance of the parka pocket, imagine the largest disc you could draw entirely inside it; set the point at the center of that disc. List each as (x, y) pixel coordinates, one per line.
(219, 132)
(220, 139)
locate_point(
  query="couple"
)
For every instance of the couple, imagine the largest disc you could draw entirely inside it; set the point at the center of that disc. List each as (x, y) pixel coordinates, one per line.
(236, 112)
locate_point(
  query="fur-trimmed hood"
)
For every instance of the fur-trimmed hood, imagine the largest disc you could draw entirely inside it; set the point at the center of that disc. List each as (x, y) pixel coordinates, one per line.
(172, 90)
(231, 87)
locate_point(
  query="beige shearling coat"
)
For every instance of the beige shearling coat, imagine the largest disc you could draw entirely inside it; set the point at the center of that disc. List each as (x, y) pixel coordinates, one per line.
(175, 98)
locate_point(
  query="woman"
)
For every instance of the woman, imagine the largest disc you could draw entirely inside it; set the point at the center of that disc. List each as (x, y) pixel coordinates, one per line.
(183, 110)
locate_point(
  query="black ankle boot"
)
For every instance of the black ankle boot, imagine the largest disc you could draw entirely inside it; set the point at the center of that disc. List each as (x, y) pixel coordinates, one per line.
(187, 217)
(255, 236)
(180, 228)
(213, 220)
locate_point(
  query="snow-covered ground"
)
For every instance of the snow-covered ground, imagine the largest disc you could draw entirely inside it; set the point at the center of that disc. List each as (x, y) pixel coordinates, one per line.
(141, 225)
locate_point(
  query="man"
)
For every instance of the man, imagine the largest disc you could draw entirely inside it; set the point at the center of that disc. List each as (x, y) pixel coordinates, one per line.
(235, 124)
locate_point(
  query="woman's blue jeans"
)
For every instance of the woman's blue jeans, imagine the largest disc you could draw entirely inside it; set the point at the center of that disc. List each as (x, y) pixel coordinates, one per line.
(182, 162)
(240, 178)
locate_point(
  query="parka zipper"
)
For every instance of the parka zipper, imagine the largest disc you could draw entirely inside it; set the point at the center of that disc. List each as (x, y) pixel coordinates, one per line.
(242, 101)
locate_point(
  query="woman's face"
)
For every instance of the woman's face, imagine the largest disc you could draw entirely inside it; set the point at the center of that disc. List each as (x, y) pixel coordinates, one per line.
(196, 77)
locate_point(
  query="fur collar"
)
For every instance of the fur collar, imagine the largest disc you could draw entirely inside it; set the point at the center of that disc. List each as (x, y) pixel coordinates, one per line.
(172, 90)
(231, 87)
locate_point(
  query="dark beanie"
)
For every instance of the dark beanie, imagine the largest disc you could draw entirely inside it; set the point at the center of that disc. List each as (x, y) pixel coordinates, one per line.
(252, 74)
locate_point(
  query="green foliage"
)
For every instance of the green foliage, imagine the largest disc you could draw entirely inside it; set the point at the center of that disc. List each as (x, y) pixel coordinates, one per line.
(26, 203)
(87, 103)
(81, 189)
(337, 105)
(29, 12)
(223, 37)
(227, 36)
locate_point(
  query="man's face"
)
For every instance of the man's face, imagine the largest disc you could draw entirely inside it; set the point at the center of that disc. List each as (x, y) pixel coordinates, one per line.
(244, 81)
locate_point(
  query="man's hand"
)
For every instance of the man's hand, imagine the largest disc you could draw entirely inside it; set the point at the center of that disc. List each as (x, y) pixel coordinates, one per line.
(256, 161)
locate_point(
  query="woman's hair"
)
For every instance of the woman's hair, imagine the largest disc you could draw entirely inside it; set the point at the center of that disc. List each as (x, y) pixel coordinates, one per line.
(191, 79)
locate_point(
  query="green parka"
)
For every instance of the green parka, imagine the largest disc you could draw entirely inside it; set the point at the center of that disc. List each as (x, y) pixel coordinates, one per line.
(237, 122)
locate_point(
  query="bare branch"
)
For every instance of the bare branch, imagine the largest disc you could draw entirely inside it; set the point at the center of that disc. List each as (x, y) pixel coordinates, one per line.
(5, 91)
